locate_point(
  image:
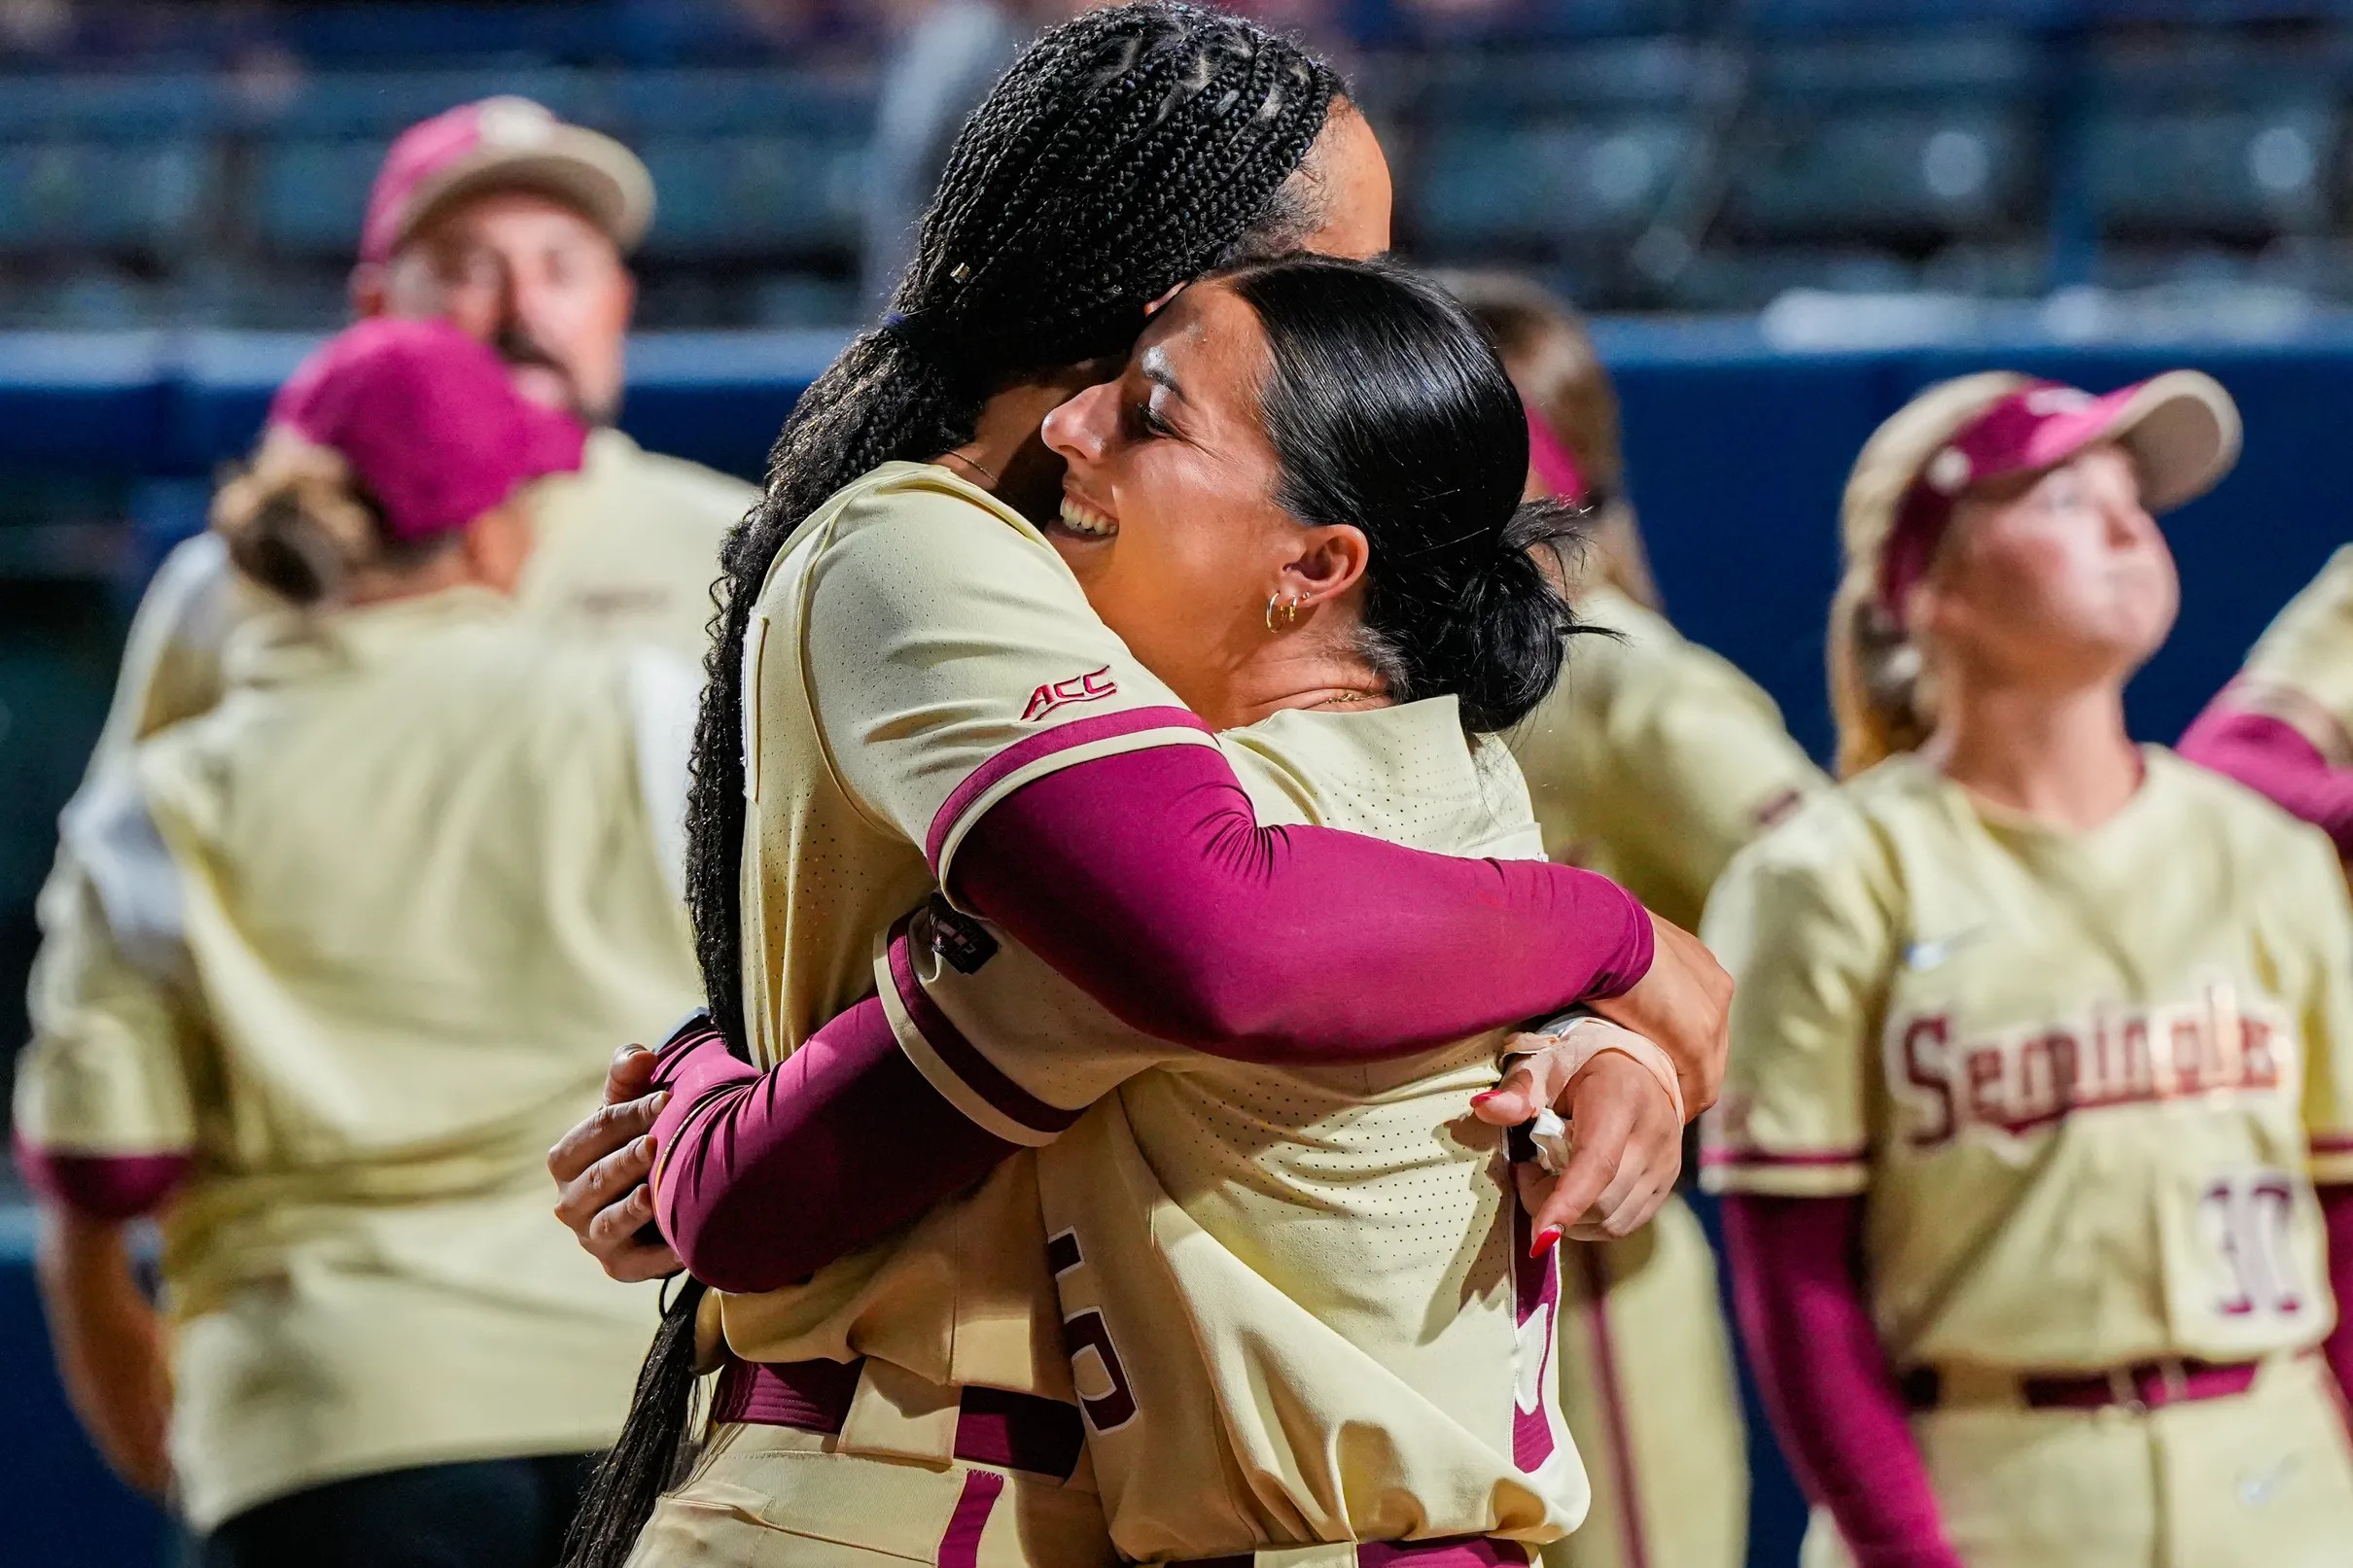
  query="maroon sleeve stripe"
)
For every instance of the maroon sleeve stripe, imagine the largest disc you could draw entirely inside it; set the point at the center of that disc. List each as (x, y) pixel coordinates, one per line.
(958, 1054)
(1021, 754)
(104, 1186)
(2333, 1143)
(1717, 1158)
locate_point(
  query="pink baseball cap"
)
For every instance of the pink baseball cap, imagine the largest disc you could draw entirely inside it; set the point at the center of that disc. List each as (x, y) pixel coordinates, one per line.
(2181, 430)
(502, 144)
(429, 420)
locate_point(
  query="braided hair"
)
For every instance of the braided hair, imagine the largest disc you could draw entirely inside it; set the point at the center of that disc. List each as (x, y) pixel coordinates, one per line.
(1125, 152)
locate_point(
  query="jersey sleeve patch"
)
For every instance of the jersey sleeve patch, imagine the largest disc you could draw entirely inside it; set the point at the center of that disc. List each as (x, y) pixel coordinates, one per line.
(953, 1065)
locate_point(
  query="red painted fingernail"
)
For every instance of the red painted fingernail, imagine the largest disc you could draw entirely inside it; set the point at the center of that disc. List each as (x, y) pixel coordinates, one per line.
(1546, 1240)
(1484, 1096)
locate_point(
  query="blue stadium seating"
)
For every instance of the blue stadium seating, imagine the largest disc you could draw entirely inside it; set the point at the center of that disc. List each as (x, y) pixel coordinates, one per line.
(725, 198)
(1563, 181)
(59, 195)
(2234, 170)
(309, 196)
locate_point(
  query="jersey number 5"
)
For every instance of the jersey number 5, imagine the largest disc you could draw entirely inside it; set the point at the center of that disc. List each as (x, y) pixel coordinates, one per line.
(2253, 1214)
(1085, 1334)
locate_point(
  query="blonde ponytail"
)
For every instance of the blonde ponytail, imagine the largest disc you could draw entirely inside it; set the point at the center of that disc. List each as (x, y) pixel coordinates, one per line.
(296, 523)
(1877, 688)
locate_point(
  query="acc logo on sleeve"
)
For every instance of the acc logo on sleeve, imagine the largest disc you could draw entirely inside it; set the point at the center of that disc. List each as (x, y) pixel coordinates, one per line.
(1093, 686)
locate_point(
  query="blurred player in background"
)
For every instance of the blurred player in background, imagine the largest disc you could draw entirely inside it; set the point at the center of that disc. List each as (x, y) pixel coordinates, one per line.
(512, 225)
(2284, 727)
(1653, 762)
(420, 842)
(2038, 1136)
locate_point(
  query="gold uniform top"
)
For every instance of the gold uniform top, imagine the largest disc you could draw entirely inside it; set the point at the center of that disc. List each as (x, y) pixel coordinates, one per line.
(2088, 1079)
(918, 651)
(370, 926)
(1655, 760)
(624, 551)
(1299, 1302)
(2301, 668)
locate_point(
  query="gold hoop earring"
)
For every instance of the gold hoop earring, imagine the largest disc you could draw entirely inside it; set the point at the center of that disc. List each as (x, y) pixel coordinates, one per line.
(1287, 609)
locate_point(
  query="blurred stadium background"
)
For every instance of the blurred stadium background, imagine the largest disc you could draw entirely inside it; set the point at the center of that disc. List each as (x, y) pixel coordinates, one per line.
(1789, 213)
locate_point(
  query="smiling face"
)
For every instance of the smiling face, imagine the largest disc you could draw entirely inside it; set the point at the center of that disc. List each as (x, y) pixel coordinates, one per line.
(2065, 582)
(1169, 517)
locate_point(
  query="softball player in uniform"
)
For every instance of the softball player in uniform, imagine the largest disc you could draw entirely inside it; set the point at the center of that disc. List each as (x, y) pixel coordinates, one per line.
(2284, 727)
(419, 842)
(1652, 762)
(1339, 1241)
(2041, 1107)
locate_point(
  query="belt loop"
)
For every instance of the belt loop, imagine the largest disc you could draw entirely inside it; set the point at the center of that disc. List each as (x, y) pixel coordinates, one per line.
(897, 1414)
(1331, 1555)
(2124, 1389)
(2174, 1379)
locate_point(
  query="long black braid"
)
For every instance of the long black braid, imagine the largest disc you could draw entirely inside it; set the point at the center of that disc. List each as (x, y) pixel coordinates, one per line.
(1124, 152)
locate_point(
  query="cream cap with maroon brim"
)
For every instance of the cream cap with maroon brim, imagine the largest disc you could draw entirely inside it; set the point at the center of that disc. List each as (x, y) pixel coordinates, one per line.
(2181, 430)
(498, 144)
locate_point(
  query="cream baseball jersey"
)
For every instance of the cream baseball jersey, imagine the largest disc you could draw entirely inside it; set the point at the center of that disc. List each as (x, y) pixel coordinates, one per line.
(624, 550)
(1654, 760)
(370, 926)
(2301, 668)
(2088, 1079)
(918, 651)
(1299, 1302)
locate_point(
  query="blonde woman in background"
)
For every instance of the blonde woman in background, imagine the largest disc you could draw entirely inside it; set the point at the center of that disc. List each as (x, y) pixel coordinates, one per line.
(1653, 762)
(2039, 1140)
(369, 927)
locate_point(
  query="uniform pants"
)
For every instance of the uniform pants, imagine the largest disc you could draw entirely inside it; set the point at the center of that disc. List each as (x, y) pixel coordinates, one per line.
(774, 1497)
(488, 1514)
(2262, 1480)
(1649, 1393)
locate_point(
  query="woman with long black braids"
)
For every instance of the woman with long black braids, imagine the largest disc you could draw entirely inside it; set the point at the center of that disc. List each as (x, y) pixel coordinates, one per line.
(924, 700)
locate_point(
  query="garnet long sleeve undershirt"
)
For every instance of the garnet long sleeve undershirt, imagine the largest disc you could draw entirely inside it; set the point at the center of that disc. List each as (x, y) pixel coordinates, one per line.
(1798, 1289)
(2272, 757)
(1144, 879)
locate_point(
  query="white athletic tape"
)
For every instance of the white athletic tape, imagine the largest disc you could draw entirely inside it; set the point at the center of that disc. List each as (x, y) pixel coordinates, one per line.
(1550, 1134)
(1578, 1041)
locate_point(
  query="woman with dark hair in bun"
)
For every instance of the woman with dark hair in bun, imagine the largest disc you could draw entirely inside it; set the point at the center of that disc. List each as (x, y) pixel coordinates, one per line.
(1299, 507)
(916, 696)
